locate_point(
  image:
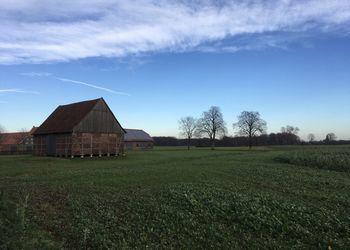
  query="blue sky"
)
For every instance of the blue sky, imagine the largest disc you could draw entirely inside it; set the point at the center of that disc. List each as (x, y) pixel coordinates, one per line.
(156, 62)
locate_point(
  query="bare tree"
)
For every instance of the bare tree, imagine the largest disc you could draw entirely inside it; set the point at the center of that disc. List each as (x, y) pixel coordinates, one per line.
(250, 124)
(188, 126)
(290, 135)
(330, 137)
(290, 130)
(212, 124)
(311, 137)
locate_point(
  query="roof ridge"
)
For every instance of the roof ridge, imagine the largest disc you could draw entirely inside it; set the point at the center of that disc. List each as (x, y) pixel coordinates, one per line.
(75, 103)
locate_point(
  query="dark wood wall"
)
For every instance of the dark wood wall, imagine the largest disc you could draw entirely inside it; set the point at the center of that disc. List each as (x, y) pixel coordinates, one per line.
(39, 147)
(99, 120)
(52, 144)
(79, 144)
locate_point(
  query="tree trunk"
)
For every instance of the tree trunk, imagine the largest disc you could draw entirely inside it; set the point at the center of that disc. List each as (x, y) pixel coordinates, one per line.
(213, 143)
(188, 143)
(250, 142)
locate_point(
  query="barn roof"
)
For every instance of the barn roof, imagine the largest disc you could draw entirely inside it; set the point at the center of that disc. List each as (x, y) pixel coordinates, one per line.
(137, 135)
(13, 138)
(66, 117)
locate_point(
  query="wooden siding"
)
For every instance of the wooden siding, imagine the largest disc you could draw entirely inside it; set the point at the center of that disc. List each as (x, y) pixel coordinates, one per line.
(63, 145)
(80, 144)
(39, 147)
(99, 120)
(134, 145)
(97, 144)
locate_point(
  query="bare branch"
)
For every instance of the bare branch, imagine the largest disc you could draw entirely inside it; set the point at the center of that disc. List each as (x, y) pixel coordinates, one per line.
(212, 124)
(311, 137)
(250, 124)
(188, 126)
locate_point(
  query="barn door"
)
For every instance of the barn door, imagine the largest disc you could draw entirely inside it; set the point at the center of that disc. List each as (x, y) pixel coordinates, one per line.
(51, 145)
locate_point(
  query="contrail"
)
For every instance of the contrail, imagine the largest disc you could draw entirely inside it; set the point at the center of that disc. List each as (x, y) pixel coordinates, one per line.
(91, 86)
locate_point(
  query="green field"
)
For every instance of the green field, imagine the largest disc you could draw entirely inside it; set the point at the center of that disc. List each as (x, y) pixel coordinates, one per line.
(278, 197)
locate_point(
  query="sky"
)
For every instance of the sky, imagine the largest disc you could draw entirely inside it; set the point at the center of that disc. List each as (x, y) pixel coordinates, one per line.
(157, 61)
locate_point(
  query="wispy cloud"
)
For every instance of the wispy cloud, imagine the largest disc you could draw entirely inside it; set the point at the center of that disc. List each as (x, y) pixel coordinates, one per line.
(37, 31)
(18, 91)
(92, 86)
(35, 74)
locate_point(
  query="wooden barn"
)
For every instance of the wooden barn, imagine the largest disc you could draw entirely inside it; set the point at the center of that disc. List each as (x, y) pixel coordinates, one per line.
(137, 139)
(86, 128)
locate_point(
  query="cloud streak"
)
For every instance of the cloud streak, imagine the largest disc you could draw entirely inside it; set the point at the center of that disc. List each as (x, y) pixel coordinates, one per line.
(35, 74)
(3, 91)
(91, 86)
(42, 31)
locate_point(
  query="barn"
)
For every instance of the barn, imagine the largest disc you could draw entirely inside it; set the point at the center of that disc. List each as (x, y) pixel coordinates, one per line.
(87, 128)
(137, 139)
(17, 142)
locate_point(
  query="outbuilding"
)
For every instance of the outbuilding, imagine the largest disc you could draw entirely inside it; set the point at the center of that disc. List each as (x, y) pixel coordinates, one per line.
(87, 128)
(17, 142)
(138, 139)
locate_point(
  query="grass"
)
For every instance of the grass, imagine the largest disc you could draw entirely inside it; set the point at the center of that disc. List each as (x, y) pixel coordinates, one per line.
(174, 198)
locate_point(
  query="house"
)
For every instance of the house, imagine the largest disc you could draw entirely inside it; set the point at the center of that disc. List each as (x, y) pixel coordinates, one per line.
(85, 128)
(137, 139)
(17, 142)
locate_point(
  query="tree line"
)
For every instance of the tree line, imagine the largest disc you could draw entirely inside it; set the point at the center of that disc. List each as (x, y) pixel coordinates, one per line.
(210, 130)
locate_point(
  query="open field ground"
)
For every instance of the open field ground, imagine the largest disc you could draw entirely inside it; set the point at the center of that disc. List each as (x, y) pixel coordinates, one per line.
(273, 197)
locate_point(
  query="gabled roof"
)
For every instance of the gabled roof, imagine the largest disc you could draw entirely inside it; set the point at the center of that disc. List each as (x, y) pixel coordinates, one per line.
(13, 138)
(137, 135)
(66, 117)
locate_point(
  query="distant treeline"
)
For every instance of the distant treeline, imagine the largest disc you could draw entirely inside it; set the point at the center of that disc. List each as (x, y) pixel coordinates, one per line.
(239, 141)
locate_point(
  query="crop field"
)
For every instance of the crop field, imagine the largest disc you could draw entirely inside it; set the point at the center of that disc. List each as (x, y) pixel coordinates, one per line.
(228, 198)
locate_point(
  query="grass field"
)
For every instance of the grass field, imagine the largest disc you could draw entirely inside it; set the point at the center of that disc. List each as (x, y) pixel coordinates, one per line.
(268, 198)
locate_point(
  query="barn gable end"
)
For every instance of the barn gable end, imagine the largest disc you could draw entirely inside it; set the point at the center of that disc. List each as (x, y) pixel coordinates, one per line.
(99, 119)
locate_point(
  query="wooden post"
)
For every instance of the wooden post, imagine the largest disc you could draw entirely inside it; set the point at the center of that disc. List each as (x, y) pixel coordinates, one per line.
(72, 150)
(107, 145)
(82, 146)
(116, 145)
(41, 145)
(99, 148)
(66, 146)
(91, 146)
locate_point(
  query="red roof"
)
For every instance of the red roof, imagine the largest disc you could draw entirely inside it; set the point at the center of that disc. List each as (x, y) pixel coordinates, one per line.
(66, 117)
(13, 138)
